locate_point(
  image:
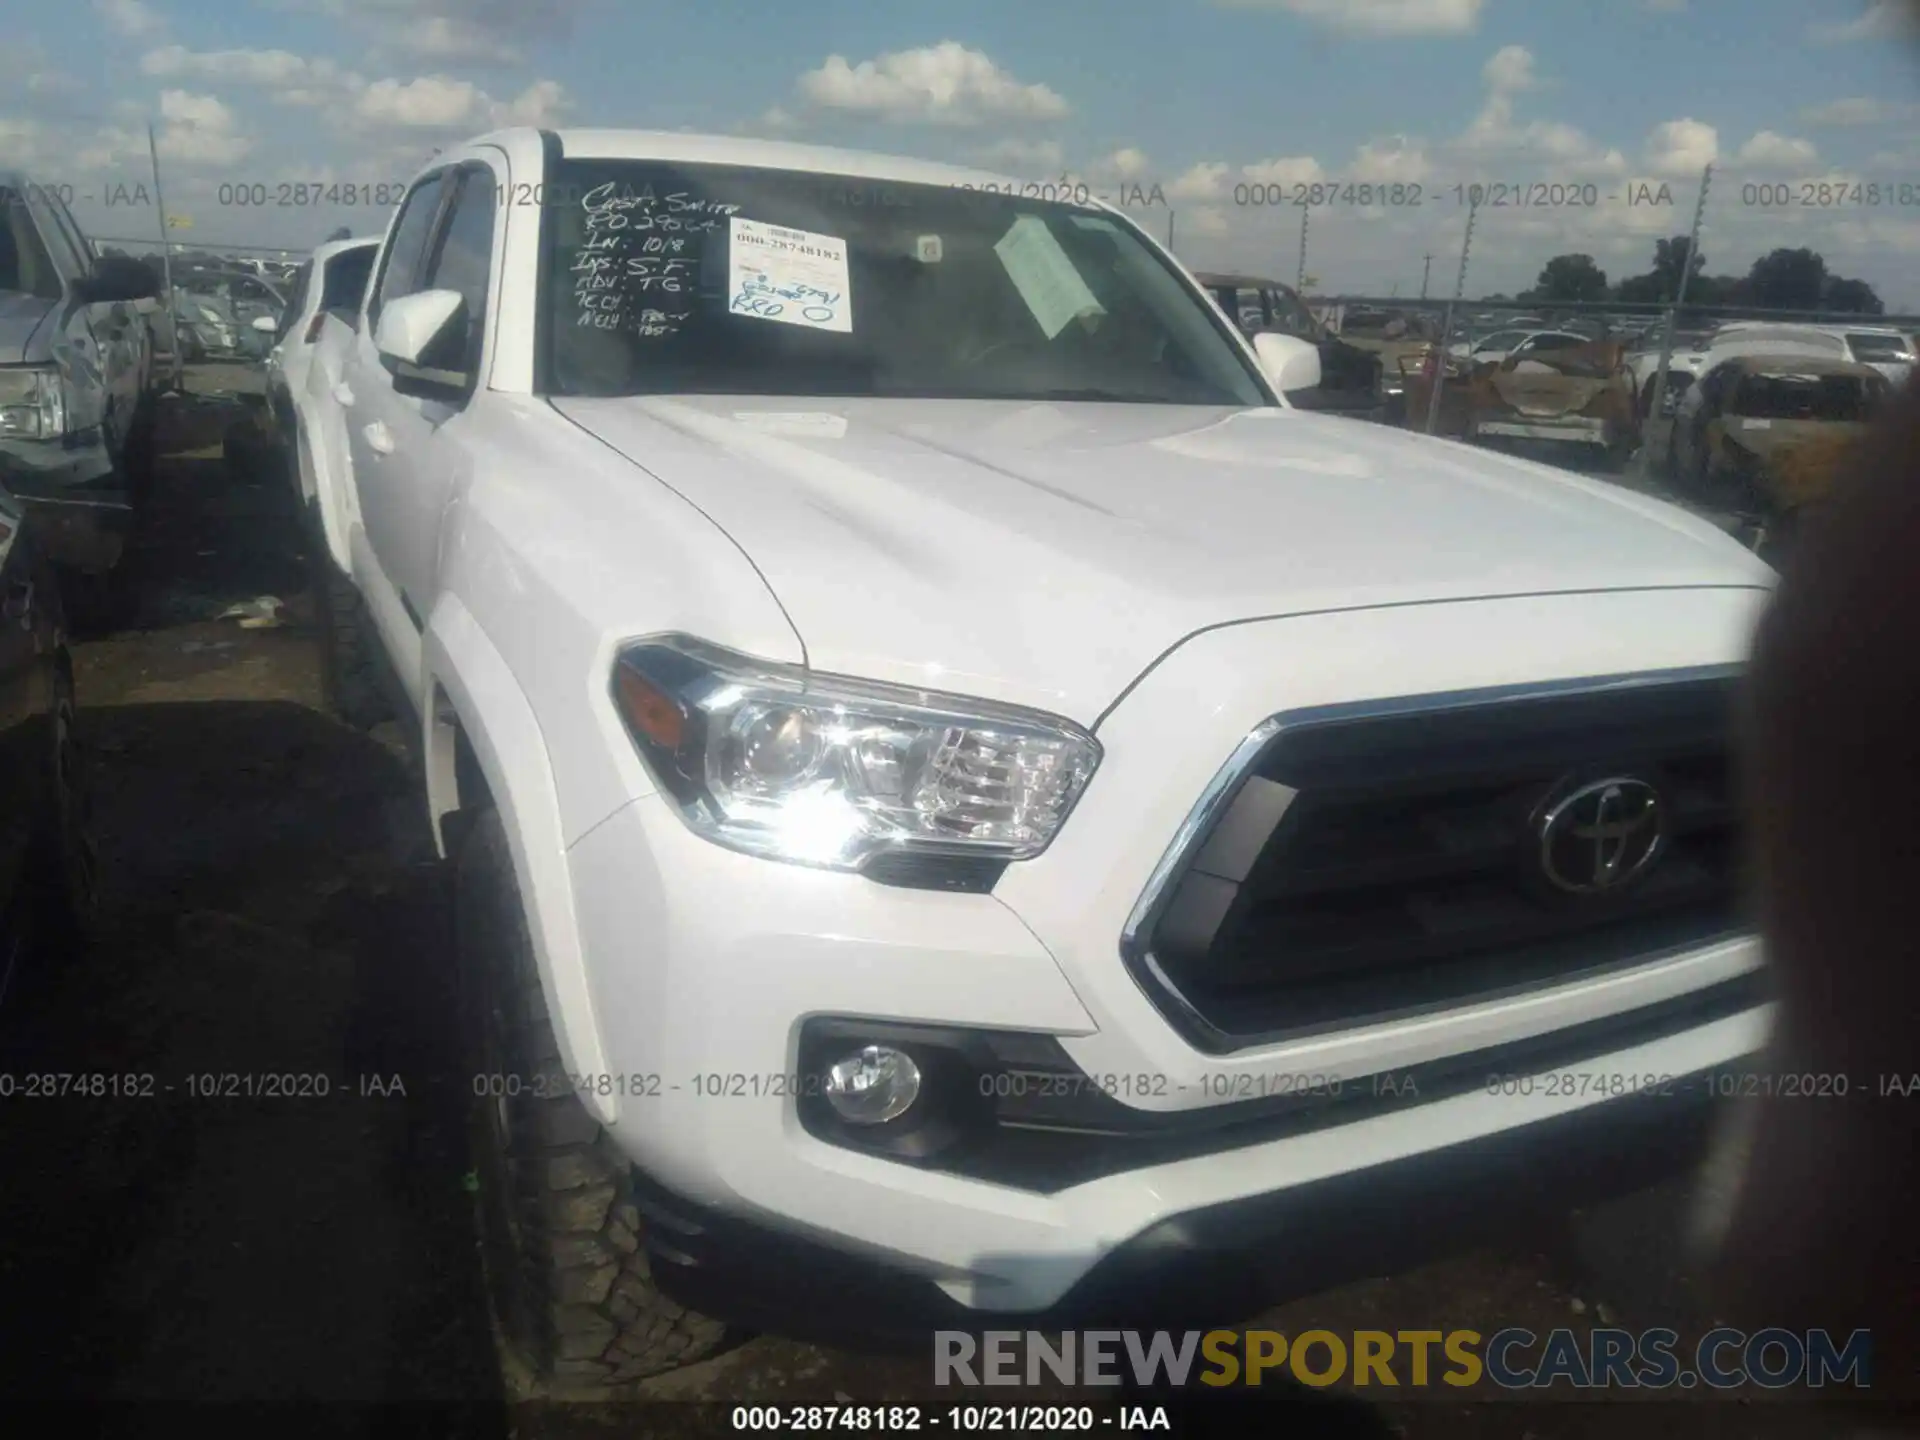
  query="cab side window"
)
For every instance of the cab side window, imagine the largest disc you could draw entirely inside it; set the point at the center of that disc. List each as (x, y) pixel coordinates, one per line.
(463, 262)
(406, 255)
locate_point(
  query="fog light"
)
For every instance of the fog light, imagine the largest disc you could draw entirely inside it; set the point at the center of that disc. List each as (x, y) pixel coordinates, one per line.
(873, 1086)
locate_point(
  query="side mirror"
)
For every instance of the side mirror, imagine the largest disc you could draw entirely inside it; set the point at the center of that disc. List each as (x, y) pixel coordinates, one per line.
(266, 324)
(414, 329)
(1290, 362)
(117, 278)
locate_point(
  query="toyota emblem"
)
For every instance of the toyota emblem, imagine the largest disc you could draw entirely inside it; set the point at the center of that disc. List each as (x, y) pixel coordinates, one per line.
(1602, 836)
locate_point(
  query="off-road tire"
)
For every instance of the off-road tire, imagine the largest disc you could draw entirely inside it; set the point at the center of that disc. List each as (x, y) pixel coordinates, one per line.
(572, 1296)
(349, 675)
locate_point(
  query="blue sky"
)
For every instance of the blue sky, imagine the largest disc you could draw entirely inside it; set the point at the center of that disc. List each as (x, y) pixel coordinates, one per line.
(1197, 97)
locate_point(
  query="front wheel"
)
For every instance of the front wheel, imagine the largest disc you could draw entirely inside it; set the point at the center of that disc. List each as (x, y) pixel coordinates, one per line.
(567, 1279)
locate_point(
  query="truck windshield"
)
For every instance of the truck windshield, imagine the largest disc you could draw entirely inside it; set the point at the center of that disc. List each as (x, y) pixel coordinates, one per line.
(700, 279)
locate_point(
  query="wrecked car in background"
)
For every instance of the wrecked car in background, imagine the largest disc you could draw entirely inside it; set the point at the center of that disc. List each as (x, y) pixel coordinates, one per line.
(1766, 437)
(1349, 375)
(1576, 395)
(215, 314)
(75, 367)
(1391, 337)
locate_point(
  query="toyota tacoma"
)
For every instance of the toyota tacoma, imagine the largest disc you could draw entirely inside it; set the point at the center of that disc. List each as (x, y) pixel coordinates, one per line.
(962, 802)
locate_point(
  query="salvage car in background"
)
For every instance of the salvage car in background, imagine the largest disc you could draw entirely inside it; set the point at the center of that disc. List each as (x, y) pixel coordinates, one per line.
(1390, 336)
(333, 282)
(215, 313)
(1766, 436)
(1574, 395)
(75, 368)
(1683, 367)
(46, 858)
(1349, 376)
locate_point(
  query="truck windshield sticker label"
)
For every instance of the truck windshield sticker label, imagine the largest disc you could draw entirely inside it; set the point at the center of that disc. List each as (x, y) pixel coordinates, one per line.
(1044, 276)
(794, 277)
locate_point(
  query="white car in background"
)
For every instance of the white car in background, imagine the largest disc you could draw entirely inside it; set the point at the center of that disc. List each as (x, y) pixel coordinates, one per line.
(1886, 349)
(963, 802)
(1643, 361)
(329, 286)
(1497, 348)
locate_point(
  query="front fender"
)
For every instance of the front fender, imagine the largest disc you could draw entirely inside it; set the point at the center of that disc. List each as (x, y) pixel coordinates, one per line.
(466, 675)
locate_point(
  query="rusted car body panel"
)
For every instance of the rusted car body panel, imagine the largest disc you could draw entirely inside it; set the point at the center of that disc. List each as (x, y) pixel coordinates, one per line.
(1581, 395)
(1785, 456)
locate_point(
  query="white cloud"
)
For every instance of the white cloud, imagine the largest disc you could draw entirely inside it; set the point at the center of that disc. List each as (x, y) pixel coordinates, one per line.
(1202, 222)
(1126, 163)
(777, 121)
(1772, 151)
(1379, 17)
(1681, 147)
(1392, 160)
(1858, 110)
(437, 37)
(1205, 181)
(491, 31)
(429, 102)
(129, 18)
(1881, 20)
(439, 102)
(24, 67)
(1023, 157)
(198, 130)
(1511, 68)
(1288, 170)
(246, 67)
(943, 84)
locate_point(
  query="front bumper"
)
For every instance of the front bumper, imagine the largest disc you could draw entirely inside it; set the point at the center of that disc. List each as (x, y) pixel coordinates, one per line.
(82, 508)
(705, 967)
(1573, 429)
(1216, 1263)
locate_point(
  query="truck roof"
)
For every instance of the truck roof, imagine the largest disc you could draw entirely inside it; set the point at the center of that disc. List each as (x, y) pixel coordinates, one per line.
(676, 146)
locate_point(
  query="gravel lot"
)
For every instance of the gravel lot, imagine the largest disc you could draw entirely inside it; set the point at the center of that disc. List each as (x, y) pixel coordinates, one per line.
(272, 905)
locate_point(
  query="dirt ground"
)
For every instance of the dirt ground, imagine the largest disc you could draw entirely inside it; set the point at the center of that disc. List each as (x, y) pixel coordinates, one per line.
(272, 905)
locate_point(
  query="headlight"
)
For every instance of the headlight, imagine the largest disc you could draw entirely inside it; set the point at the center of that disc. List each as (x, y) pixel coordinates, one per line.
(830, 772)
(33, 403)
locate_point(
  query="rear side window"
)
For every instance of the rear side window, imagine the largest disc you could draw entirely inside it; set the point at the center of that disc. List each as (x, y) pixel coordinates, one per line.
(346, 279)
(1879, 348)
(1842, 398)
(407, 254)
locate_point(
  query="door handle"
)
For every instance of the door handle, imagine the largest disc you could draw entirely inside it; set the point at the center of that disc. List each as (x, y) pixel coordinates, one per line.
(342, 394)
(379, 438)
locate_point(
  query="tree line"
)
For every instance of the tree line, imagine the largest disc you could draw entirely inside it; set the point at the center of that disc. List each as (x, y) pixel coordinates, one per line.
(1779, 280)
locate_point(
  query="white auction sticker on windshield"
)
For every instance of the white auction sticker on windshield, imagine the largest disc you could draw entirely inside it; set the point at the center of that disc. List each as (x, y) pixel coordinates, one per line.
(794, 277)
(1045, 277)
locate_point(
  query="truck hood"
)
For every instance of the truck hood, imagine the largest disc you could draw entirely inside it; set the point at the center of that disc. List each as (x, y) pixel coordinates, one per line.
(20, 316)
(1047, 555)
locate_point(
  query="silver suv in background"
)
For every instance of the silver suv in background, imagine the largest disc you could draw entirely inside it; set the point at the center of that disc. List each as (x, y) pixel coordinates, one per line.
(75, 366)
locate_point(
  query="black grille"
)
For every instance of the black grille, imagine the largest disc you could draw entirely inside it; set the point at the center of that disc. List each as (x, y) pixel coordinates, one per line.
(1403, 873)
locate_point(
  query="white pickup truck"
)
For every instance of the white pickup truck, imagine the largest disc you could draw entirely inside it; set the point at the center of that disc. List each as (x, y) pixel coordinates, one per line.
(966, 805)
